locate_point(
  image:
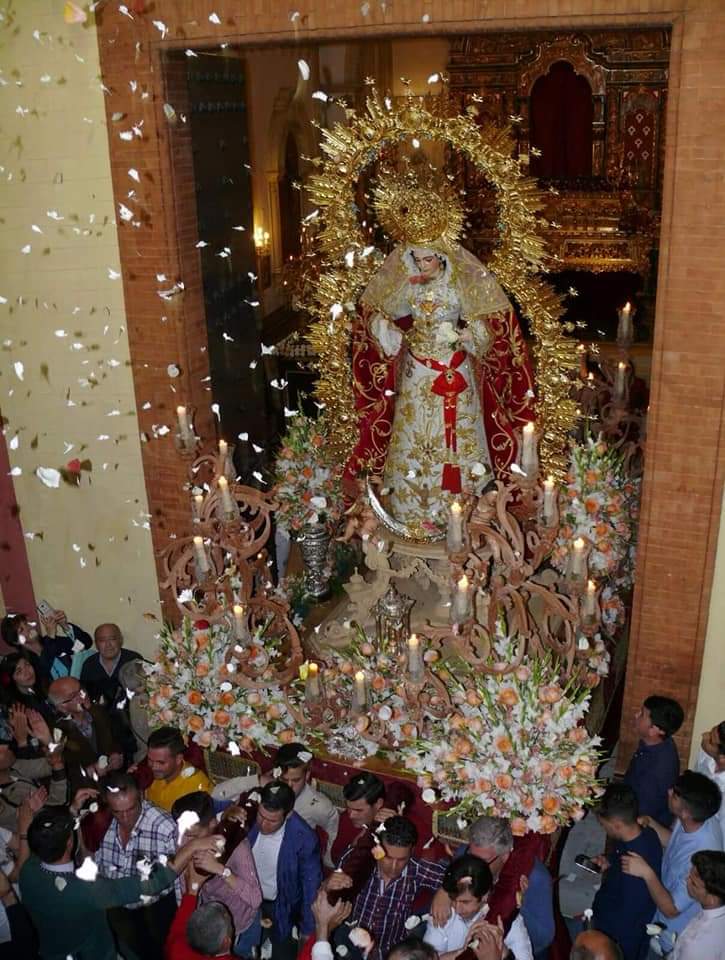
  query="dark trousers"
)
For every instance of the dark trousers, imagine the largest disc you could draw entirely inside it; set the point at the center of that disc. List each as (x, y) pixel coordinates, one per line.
(141, 933)
(281, 949)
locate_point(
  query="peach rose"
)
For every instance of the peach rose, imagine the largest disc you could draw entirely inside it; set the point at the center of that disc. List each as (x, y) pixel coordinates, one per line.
(503, 781)
(547, 824)
(273, 712)
(462, 746)
(522, 674)
(584, 766)
(546, 768)
(201, 669)
(483, 785)
(222, 718)
(508, 697)
(195, 723)
(518, 826)
(503, 744)
(565, 771)
(246, 723)
(194, 698)
(167, 715)
(550, 804)
(578, 734)
(254, 698)
(378, 683)
(201, 640)
(227, 698)
(472, 698)
(203, 738)
(166, 691)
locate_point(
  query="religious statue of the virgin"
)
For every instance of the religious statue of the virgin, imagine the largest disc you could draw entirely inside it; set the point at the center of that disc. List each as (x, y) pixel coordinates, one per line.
(441, 375)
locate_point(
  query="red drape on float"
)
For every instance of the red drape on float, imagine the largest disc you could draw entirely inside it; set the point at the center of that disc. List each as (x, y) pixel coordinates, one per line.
(505, 383)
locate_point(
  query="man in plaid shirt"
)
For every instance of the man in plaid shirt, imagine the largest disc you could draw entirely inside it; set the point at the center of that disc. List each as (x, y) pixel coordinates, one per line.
(386, 901)
(138, 831)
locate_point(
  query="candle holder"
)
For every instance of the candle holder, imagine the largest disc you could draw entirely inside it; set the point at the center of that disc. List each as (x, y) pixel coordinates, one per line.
(392, 619)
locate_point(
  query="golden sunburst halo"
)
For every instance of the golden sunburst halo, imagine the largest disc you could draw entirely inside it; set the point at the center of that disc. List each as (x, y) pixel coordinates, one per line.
(347, 261)
(418, 208)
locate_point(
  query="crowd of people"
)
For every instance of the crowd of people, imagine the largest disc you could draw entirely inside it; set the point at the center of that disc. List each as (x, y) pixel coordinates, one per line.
(115, 844)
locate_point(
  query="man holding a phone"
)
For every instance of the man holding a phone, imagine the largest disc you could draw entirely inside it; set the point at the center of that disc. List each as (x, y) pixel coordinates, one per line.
(623, 905)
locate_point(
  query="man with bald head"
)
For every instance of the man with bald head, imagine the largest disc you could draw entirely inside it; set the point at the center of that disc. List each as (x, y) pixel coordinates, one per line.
(594, 945)
(99, 675)
(91, 748)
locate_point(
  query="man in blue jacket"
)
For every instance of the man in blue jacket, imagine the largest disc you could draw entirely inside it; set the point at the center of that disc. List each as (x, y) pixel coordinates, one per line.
(286, 854)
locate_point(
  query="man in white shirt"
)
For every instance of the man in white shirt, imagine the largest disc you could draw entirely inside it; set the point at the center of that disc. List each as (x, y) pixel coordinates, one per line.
(704, 936)
(711, 762)
(293, 765)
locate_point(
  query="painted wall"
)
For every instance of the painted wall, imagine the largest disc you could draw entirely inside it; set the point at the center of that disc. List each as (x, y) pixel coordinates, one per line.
(711, 695)
(65, 381)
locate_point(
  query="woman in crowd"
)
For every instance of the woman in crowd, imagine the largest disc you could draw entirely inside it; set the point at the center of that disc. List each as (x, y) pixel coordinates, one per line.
(59, 649)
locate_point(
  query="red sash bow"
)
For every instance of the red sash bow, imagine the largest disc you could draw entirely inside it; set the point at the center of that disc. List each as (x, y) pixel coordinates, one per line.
(448, 384)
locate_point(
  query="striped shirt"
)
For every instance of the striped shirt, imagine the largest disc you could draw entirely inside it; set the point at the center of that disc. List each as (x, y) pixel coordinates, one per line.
(153, 835)
(383, 909)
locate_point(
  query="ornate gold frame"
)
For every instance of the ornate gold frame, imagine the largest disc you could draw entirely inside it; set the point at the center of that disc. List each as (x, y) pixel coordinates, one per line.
(519, 257)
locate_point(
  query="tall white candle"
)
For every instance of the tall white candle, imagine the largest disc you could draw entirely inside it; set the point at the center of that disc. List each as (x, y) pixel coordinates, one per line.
(589, 606)
(240, 621)
(624, 327)
(461, 600)
(579, 559)
(202, 561)
(197, 505)
(619, 381)
(312, 684)
(415, 659)
(529, 454)
(223, 449)
(184, 425)
(455, 527)
(360, 691)
(228, 506)
(549, 499)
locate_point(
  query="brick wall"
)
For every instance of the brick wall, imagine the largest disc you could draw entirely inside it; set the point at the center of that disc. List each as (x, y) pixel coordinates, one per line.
(685, 463)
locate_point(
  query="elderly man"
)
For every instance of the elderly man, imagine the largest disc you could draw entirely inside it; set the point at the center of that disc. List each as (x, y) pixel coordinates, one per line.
(594, 945)
(138, 831)
(490, 838)
(204, 931)
(173, 776)
(91, 747)
(100, 672)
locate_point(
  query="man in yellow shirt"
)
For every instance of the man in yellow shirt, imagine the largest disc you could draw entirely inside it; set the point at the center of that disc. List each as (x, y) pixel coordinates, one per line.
(173, 776)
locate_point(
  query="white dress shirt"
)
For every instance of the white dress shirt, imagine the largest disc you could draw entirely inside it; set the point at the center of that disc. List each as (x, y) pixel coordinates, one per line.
(319, 811)
(452, 935)
(705, 764)
(266, 854)
(703, 938)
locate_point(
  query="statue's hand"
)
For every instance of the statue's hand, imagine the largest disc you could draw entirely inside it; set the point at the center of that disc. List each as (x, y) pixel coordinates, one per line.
(465, 339)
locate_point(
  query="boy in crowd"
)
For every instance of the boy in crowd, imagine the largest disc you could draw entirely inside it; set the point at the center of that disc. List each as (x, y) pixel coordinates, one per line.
(655, 764)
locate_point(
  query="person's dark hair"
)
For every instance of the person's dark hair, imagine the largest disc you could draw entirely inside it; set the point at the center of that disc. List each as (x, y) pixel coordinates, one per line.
(118, 781)
(468, 873)
(167, 737)
(277, 796)
(619, 802)
(700, 795)
(364, 786)
(399, 832)
(580, 952)
(413, 949)
(208, 927)
(288, 756)
(49, 832)
(198, 802)
(9, 628)
(12, 694)
(721, 738)
(710, 864)
(665, 713)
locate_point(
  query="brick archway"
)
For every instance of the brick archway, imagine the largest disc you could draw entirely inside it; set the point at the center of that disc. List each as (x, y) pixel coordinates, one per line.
(682, 488)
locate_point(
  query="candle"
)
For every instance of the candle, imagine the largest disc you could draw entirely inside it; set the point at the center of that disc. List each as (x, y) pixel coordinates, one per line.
(589, 607)
(229, 508)
(312, 684)
(240, 622)
(579, 559)
(529, 454)
(197, 504)
(461, 601)
(549, 499)
(202, 561)
(455, 527)
(620, 380)
(624, 327)
(360, 692)
(184, 425)
(223, 449)
(415, 660)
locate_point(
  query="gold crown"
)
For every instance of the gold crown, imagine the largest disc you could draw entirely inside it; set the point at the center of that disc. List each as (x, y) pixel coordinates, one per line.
(418, 209)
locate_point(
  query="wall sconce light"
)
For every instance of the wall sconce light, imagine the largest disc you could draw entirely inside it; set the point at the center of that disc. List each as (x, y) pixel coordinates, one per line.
(261, 242)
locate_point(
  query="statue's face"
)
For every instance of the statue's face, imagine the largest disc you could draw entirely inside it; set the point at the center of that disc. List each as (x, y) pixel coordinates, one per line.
(427, 262)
